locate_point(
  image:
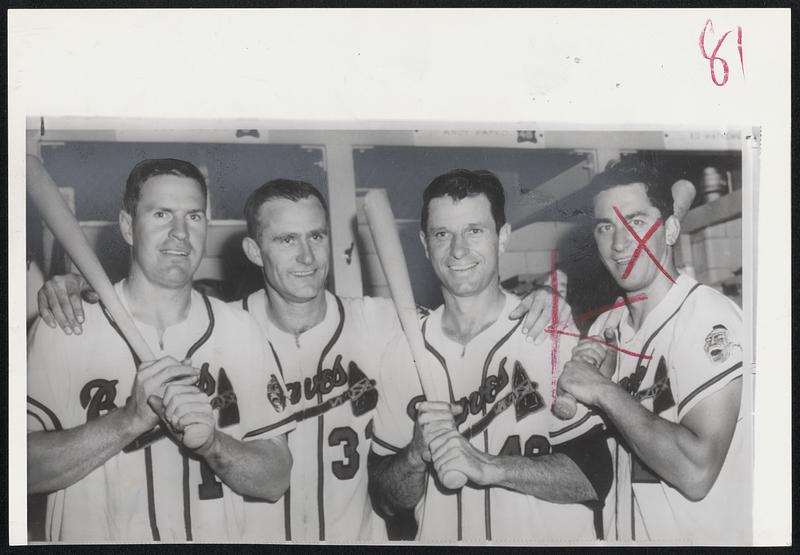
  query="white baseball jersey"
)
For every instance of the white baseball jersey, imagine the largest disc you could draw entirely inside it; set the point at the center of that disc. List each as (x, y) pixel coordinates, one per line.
(687, 349)
(158, 492)
(505, 385)
(330, 373)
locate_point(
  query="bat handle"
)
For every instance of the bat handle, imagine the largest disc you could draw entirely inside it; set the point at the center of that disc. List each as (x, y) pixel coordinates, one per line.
(565, 406)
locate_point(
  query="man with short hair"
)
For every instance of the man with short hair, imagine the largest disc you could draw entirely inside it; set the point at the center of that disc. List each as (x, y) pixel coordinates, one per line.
(328, 349)
(528, 473)
(672, 389)
(92, 403)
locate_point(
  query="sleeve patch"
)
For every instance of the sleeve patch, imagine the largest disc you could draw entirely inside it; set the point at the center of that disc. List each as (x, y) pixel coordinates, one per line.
(718, 344)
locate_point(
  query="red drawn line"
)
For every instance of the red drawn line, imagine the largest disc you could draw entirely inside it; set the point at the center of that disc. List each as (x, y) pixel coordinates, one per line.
(601, 310)
(619, 349)
(554, 322)
(642, 245)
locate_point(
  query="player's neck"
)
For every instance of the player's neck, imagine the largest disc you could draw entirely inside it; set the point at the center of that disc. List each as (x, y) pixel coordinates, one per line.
(155, 305)
(466, 317)
(653, 294)
(292, 316)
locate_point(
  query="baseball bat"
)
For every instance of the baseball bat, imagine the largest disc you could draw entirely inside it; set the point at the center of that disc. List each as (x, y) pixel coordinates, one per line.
(390, 252)
(59, 218)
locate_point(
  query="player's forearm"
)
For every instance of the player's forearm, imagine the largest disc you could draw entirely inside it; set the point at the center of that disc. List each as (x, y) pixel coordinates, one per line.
(397, 482)
(255, 468)
(58, 459)
(555, 478)
(672, 451)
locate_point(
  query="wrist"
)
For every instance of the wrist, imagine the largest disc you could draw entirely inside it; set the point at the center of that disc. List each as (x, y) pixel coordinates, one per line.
(414, 459)
(606, 395)
(494, 470)
(209, 447)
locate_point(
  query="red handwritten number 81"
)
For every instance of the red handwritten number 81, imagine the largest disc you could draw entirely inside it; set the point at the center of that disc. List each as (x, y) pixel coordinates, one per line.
(713, 58)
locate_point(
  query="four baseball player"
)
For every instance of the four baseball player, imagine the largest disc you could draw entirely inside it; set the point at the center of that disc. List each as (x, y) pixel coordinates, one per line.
(652, 453)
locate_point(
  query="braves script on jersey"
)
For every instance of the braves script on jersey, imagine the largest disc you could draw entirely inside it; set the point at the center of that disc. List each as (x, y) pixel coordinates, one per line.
(158, 492)
(330, 373)
(693, 340)
(503, 384)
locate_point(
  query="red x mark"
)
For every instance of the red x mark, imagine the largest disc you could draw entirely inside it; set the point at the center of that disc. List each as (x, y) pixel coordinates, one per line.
(641, 246)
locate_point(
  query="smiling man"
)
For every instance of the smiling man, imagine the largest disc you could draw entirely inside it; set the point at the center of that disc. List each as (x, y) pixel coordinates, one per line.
(328, 349)
(93, 407)
(529, 474)
(673, 394)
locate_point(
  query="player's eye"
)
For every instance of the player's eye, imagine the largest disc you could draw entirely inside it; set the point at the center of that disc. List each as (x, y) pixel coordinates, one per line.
(602, 228)
(440, 234)
(159, 214)
(475, 230)
(196, 217)
(638, 222)
(287, 240)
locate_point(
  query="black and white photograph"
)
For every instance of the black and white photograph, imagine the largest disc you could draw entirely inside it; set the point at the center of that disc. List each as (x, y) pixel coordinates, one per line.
(272, 329)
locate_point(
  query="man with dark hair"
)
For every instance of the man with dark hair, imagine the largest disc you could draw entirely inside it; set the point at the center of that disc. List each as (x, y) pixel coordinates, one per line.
(528, 473)
(93, 406)
(673, 393)
(328, 349)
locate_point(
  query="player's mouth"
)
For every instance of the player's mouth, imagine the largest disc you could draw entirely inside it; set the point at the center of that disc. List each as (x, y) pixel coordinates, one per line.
(304, 273)
(462, 267)
(175, 252)
(622, 261)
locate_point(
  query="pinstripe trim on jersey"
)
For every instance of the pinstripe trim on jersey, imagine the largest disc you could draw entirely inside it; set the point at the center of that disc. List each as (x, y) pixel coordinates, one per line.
(275, 356)
(661, 327)
(321, 423)
(107, 314)
(187, 513)
(47, 412)
(244, 304)
(287, 514)
(209, 330)
(487, 500)
(440, 358)
(36, 416)
(385, 444)
(443, 363)
(572, 426)
(151, 505)
(708, 384)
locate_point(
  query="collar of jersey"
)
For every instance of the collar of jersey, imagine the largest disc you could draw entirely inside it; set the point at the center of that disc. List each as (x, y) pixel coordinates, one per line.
(257, 304)
(663, 309)
(187, 329)
(499, 327)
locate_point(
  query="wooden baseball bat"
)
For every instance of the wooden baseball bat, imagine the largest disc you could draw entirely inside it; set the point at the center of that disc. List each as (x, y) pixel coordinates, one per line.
(390, 252)
(59, 218)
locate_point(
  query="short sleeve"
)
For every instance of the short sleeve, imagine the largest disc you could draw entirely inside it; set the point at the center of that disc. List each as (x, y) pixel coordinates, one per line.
(585, 419)
(393, 427)
(706, 350)
(47, 399)
(262, 398)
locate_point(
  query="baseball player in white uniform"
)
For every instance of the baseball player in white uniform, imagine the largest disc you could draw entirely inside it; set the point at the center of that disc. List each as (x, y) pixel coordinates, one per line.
(528, 472)
(328, 351)
(112, 476)
(670, 379)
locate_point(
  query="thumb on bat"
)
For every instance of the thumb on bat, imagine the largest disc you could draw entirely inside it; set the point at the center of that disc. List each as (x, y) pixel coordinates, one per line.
(609, 364)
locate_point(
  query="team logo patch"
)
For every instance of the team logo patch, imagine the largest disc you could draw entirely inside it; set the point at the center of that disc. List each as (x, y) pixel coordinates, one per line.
(275, 394)
(718, 344)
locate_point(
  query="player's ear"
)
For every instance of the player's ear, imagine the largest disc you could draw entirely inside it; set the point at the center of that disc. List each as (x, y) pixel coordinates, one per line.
(504, 235)
(126, 226)
(672, 227)
(252, 251)
(423, 238)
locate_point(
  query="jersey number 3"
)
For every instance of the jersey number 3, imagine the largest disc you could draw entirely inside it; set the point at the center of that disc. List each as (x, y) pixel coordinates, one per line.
(348, 439)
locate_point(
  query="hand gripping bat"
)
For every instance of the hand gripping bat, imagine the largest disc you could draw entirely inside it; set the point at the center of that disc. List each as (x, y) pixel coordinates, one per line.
(390, 252)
